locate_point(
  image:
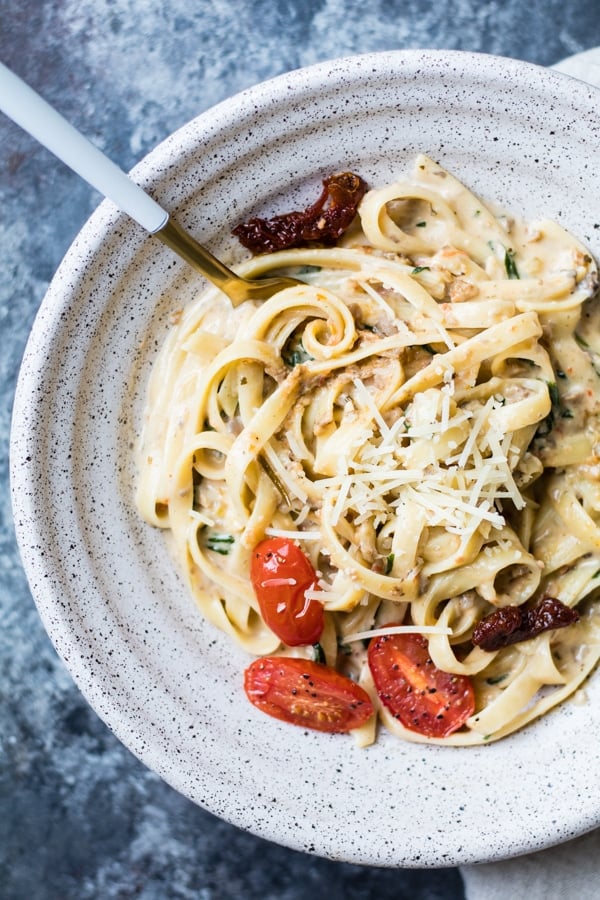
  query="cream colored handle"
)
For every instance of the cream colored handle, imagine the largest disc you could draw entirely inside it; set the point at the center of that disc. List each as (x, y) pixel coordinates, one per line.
(25, 107)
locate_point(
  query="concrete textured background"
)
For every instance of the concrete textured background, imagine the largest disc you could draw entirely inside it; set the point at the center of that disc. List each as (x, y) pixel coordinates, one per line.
(79, 816)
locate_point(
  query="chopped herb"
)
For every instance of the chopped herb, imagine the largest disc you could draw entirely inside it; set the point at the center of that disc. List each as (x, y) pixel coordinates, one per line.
(547, 424)
(557, 410)
(509, 259)
(596, 574)
(389, 564)
(294, 358)
(594, 357)
(219, 543)
(293, 353)
(318, 654)
(421, 224)
(477, 212)
(496, 679)
(308, 270)
(418, 269)
(510, 265)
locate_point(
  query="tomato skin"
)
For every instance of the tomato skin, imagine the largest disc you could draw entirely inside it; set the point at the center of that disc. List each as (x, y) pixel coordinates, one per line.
(281, 574)
(306, 693)
(422, 697)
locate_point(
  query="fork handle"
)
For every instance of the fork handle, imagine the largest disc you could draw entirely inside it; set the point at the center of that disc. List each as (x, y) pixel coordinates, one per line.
(25, 107)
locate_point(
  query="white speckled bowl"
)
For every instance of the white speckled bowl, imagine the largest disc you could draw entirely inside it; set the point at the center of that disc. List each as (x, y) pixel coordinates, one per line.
(168, 684)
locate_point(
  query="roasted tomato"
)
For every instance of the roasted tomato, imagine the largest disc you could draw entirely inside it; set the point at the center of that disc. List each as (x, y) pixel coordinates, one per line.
(306, 693)
(281, 574)
(324, 221)
(416, 692)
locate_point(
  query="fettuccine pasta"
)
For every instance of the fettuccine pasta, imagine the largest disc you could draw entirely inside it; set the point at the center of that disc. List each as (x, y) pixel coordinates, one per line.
(420, 416)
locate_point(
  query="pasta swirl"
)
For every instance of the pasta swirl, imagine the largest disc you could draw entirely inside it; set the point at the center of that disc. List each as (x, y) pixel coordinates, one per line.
(421, 416)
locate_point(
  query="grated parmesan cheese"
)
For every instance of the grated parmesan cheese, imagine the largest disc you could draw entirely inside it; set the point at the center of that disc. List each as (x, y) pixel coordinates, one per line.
(294, 535)
(459, 494)
(396, 629)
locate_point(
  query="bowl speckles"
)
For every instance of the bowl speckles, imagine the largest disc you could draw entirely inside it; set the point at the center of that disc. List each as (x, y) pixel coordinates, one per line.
(167, 683)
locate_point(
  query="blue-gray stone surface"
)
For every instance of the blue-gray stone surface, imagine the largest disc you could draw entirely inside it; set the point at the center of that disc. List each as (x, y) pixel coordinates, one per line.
(79, 816)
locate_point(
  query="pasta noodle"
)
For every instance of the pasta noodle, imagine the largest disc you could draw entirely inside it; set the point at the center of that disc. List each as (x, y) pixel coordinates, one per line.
(420, 414)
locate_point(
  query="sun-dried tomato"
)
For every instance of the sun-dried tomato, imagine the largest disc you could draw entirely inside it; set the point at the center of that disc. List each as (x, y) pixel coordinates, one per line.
(511, 624)
(322, 223)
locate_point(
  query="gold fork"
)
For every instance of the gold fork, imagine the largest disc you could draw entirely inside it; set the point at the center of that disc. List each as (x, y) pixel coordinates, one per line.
(237, 288)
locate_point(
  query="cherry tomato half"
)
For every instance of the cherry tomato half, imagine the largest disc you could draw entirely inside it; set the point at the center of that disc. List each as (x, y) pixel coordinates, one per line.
(306, 693)
(417, 693)
(281, 574)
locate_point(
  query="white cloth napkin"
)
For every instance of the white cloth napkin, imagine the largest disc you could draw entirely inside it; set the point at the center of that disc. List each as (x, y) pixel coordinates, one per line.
(570, 871)
(585, 66)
